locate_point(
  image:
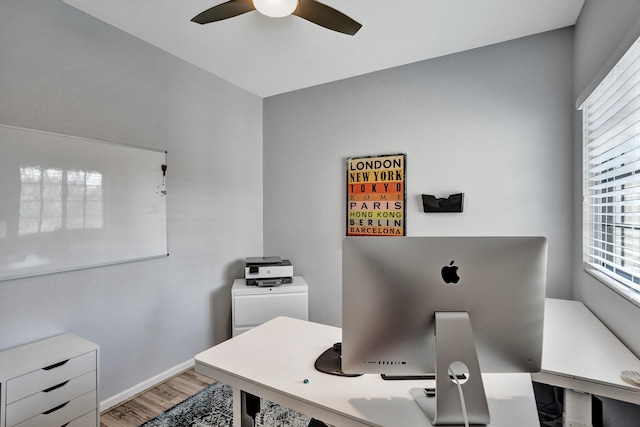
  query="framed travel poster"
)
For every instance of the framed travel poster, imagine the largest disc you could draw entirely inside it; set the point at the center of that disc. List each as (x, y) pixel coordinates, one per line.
(376, 197)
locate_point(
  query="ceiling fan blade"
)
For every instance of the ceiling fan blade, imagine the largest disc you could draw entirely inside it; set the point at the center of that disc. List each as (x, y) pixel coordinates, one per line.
(224, 10)
(326, 16)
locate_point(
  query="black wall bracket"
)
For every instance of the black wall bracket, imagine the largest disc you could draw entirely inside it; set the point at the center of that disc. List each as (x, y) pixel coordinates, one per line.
(453, 203)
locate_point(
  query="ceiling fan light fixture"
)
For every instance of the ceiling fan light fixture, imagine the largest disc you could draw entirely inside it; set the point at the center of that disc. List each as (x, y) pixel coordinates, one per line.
(276, 8)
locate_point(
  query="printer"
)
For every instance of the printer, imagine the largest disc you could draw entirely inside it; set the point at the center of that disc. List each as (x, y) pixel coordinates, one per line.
(268, 271)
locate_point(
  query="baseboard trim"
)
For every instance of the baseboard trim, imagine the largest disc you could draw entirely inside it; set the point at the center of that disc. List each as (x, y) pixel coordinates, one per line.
(122, 397)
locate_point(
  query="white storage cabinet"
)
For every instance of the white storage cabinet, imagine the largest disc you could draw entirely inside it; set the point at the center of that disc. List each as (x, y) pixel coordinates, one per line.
(254, 305)
(50, 383)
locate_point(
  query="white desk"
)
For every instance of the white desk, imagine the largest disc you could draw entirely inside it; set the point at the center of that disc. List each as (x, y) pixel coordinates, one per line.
(273, 360)
(582, 356)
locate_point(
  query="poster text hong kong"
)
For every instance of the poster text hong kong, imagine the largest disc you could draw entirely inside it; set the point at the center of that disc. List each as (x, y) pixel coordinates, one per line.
(376, 195)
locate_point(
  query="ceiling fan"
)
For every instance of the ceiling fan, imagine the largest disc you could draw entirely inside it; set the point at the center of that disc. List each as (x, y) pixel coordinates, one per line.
(311, 10)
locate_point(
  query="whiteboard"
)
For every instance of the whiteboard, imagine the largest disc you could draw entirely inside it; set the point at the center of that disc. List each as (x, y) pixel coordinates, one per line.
(68, 203)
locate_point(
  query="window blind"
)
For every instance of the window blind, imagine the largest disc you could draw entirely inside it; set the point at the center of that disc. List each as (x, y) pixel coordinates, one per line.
(611, 177)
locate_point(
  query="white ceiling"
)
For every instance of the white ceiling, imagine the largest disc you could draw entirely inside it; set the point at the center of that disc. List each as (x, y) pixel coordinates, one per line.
(268, 56)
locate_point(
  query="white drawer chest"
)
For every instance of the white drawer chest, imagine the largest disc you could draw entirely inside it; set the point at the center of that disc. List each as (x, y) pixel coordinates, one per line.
(50, 383)
(254, 305)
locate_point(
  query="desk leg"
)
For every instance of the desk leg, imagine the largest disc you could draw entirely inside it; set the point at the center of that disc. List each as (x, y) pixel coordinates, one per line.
(577, 409)
(240, 417)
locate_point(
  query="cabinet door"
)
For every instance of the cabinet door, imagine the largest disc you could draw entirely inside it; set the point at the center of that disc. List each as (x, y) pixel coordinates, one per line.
(251, 310)
(46, 403)
(66, 413)
(33, 382)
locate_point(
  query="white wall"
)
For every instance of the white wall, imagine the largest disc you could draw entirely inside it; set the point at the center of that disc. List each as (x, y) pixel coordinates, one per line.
(494, 123)
(65, 72)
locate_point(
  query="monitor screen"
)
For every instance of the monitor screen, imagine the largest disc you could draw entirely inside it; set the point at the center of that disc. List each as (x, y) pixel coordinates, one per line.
(393, 286)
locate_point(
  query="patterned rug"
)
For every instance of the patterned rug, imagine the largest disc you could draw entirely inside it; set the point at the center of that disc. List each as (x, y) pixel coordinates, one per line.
(213, 407)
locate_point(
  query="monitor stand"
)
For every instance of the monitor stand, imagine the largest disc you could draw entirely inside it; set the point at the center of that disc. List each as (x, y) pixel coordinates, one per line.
(330, 362)
(454, 347)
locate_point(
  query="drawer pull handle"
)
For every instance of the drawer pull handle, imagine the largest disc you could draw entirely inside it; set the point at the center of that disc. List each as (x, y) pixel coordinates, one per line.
(55, 365)
(55, 387)
(55, 409)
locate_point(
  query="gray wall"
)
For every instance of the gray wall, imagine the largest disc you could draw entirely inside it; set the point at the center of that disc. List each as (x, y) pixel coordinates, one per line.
(494, 123)
(65, 72)
(603, 31)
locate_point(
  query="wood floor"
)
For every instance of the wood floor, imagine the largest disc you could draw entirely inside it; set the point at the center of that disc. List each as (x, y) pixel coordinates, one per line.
(147, 405)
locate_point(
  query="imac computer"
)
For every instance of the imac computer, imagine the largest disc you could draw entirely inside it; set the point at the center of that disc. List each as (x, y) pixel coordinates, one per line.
(454, 307)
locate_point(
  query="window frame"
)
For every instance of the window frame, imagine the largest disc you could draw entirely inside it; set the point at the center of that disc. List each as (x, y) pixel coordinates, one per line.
(611, 178)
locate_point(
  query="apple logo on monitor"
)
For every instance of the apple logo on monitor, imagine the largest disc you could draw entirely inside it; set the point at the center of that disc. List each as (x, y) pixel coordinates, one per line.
(450, 273)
